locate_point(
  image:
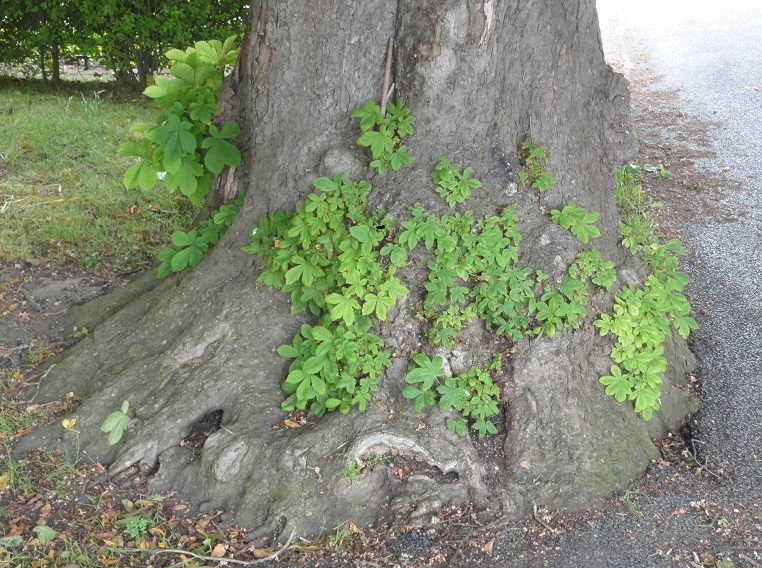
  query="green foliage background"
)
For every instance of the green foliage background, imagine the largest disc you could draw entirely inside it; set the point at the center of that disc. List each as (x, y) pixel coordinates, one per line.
(129, 35)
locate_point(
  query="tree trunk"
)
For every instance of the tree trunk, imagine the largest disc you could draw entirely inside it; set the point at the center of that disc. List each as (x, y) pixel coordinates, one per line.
(480, 77)
(56, 63)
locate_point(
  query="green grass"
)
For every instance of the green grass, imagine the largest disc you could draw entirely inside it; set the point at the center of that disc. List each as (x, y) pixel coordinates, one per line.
(61, 191)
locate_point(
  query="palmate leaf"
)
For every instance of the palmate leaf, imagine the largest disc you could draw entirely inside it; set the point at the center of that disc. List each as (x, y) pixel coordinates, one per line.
(343, 308)
(221, 153)
(190, 256)
(380, 142)
(186, 179)
(428, 371)
(116, 423)
(369, 115)
(142, 174)
(452, 394)
(617, 385)
(176, 138)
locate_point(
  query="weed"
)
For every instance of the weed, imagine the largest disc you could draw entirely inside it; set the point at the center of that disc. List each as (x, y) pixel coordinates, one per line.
(535, 160)
(452, 185)
(472, 393)
(382, 134)
(183, 144)
(643, 317)
(16, 477)
(628, 499)
(577, 220)
(116, 423)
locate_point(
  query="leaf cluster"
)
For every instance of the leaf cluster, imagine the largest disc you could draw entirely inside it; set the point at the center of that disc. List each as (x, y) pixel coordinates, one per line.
(338, 261)
(535, 160)
(335, 366)
(383, 133)
(578, 220)
(189, 246)
(183, 143)
(452, 185)
(472, 393)
(589, 265)
(643, 318)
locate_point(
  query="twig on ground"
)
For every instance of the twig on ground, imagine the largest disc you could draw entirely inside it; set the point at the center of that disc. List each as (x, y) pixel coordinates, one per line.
(273, 556)
(539, 520)
(36, 391)
(698, 463)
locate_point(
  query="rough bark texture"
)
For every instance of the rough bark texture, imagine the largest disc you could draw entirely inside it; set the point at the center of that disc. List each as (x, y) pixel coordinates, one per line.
(480, 77)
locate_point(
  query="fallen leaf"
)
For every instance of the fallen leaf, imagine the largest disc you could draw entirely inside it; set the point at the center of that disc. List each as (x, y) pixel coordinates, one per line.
(525, 464)
(46, 508)
(292, 424)
(218, 551)
(4, 479)
(488, 546)
(45, 533)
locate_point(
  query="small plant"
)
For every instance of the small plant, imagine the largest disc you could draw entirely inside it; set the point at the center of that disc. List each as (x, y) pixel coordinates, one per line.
(189, 246)
(183, 142)
(590, 265)
(137, 527)
(116, 423)
(578, 220)
(472, 393)
(382, 134)
(642, 318)
(422, 379)
(535, 159)
(331, 256)
(452, 185)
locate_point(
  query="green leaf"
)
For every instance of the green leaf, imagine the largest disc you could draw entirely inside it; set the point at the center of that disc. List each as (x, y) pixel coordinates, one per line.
(176, 138)
(318, 385)
(45, 534)
(220, 153)
(379, 141)
(141, 174)
(457, 426)
(288, 351)
(617, 385)
(452, 394)
(343, 307)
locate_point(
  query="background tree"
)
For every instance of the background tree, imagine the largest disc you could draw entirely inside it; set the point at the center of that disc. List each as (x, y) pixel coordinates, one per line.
(134, 35)
(197, 352)
(129, 35)
(41, 31)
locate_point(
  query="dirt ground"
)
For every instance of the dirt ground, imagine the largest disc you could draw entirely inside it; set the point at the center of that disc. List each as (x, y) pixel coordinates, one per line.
(672, 517)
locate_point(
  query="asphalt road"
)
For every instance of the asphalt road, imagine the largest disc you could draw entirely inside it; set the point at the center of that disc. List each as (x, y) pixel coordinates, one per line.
(711, 53)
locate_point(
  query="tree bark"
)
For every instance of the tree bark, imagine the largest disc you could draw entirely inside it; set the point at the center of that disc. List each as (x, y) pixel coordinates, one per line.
(480, 77)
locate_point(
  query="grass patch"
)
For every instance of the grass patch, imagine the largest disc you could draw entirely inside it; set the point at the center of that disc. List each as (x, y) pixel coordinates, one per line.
(61, 192)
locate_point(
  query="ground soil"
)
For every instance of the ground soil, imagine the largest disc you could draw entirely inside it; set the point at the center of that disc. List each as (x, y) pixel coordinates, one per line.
(673, 516)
